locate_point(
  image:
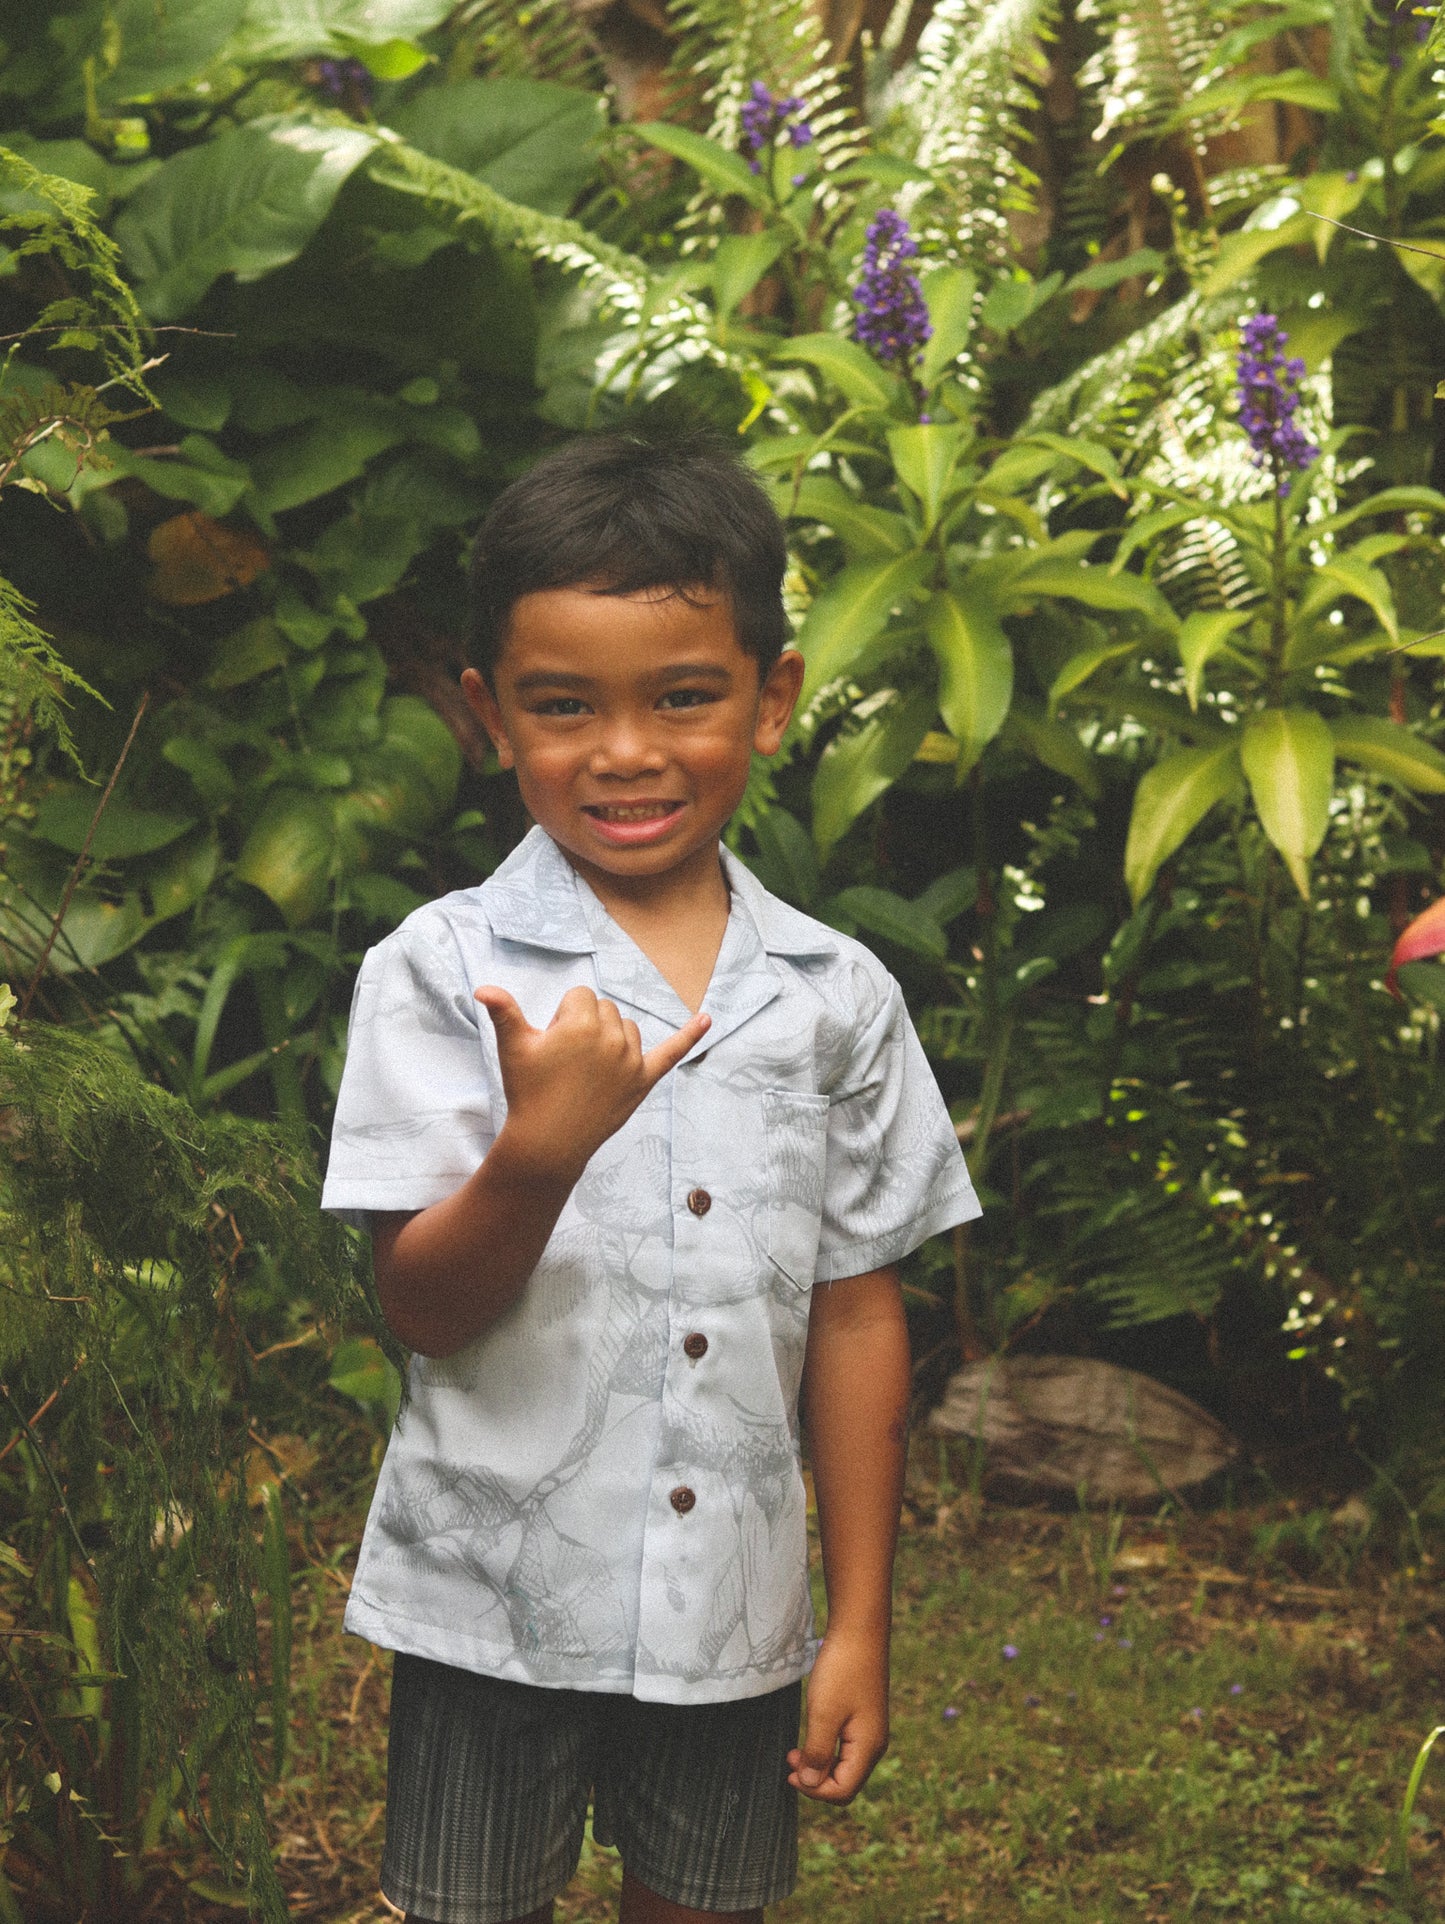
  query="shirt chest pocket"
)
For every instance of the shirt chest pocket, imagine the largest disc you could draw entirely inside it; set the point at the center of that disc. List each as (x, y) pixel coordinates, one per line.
(795, 1128)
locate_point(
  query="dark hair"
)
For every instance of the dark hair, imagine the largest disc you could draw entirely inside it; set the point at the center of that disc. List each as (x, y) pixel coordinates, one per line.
(622, 514)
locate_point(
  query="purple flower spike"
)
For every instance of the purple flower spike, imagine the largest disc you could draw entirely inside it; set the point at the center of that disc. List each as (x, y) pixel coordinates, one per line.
(768, 118)
(892, 317)
(1269, 398)
(1010, 1651)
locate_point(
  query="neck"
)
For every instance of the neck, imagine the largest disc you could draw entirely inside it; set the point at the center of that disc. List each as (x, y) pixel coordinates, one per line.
(677, 918)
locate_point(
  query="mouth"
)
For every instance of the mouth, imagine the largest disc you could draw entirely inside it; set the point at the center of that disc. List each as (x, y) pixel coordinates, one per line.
(630, 823)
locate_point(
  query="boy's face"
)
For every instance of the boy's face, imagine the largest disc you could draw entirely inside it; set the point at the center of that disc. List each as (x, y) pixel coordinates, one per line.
(631, 721)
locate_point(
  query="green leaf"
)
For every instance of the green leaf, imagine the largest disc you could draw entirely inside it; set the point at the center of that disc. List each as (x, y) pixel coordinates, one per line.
(1295, 87)
(1095, 588)
(1143, 262)
(866, 532)
(1055, 745)
(1387, 501)
(862, 762)
(1289, 760)
(64, 816)
(1387, 748)
(949, 896)
(387, 59)
(291, 852)
(360, 1370)
(1172, 798)
(1348, 574)
(1079, 667)
(161, 46)
(851, 369)
(1201, 637)
(740, 263)
(851, 610)
(787, 861)
(323, 455)
(200, 474)
(1014, 298)
(290, 29)
(975, 668)
(1423, 983)
(1241, 251)
(709, 159)
(244, 203)
(1092, 455)
(924, 458)
(531, 140)
(949, 293)
(883, 913)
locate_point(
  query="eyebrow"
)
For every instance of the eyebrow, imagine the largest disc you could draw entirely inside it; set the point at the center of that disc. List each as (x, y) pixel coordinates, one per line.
(672, 672)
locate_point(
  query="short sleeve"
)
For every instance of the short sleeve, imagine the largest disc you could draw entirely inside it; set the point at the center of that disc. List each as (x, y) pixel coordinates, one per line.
(895, 1174)
(419, 1101)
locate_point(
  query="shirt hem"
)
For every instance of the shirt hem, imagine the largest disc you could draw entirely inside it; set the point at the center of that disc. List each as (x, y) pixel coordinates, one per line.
(413, 1638)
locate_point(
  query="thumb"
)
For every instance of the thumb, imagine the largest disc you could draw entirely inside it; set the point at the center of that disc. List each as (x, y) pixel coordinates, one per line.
(506, 1013)
(817, 1743)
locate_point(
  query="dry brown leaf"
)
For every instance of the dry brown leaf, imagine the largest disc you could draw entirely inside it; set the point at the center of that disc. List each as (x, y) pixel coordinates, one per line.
(197, 559)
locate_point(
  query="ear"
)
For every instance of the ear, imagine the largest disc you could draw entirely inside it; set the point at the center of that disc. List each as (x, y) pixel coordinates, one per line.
(777, 698)
(483, 704)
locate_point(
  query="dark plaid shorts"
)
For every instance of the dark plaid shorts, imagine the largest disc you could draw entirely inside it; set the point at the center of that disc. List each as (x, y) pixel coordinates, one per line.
(488, 1783)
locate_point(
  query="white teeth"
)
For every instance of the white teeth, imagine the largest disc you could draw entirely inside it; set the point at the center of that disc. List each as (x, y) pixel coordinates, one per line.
(643, 812)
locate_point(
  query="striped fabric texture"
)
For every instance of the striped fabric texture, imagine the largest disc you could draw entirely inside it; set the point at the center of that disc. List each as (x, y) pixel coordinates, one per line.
(488, 1783)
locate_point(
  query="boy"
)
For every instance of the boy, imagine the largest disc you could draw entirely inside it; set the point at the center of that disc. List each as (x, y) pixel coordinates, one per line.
(598, 1215)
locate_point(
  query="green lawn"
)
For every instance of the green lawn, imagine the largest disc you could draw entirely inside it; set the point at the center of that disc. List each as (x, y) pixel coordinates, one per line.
(1189, 1729)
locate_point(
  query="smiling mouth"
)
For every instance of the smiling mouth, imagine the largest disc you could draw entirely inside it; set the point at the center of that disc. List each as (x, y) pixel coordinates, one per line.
(632, 811)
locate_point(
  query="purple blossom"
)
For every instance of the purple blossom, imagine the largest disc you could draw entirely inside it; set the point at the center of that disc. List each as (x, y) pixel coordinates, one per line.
(1269, 398)
(1105, 1622)
(1236, 1690)
(346, 81)
(1010, 1651)
(766, 117)
(950, 1711)
(892, 318)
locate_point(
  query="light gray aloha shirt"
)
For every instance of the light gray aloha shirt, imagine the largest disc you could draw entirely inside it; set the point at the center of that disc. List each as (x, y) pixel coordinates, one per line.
(532, 1518)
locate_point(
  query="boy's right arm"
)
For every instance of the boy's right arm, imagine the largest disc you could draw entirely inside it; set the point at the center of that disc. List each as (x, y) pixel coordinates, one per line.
(444, 1274)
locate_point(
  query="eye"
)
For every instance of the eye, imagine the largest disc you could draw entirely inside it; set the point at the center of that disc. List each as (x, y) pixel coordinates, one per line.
(688, 697)
(562, 705)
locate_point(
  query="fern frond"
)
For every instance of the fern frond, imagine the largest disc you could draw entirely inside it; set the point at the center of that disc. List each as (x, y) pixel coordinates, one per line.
(1155, 55)
(955, 110)
(545, 41)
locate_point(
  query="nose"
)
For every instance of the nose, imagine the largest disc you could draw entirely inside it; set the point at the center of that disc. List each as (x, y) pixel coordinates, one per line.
(625, 746)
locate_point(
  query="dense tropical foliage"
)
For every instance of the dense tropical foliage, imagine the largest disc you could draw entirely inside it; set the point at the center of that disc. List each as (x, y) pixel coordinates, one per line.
(1090, 351)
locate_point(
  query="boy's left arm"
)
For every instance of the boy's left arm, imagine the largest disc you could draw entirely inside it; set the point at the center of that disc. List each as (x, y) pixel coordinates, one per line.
(856, 1385)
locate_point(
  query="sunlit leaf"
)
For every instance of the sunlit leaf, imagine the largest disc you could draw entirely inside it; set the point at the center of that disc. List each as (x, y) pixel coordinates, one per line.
(924, 457)
(850, 612)
(1094, 588)
(975, 668)
(1289, 759)
(862, 762)
(719, 166)
(741, 262)
(949, 293)
(865, 531)
(1087, 662)
(1350, 574)
(1387, 748)
(291, 852)
(1172, 798)
(851, 369)
(290, 29)
(529, 139)
(1203, 635)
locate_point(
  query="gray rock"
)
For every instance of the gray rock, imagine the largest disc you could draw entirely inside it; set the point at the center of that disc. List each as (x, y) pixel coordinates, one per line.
(1072, 1427)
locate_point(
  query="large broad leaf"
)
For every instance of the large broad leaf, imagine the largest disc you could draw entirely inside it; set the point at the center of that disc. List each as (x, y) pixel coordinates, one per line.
(164, 43)
(741, 262)
(850, 612)
(1055, 745)
(851, 369)
(896, 919)
(709, 159)
(866, 532)
(1086, 663)
(975, 668)
(860, 764)
(1172, 798)
(242, 204)
(530, 139)
(949, 293)
(1201, 637)
(124, 829)
(1095, 588)
(1243, 250)
(288, 29)
(291, 852)
(1386, 748)
(1289, 759)
(1387, 501)
(1350, 574)
(924, 458)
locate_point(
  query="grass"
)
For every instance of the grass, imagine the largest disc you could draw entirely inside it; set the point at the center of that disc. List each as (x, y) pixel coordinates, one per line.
(1189, 1729)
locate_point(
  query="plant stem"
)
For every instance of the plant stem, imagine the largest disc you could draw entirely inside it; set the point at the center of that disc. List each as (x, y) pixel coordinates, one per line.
(1278, 625)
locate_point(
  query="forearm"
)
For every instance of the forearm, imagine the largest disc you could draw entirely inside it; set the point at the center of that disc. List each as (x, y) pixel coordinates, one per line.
(856, 1386)
(445, 1274)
